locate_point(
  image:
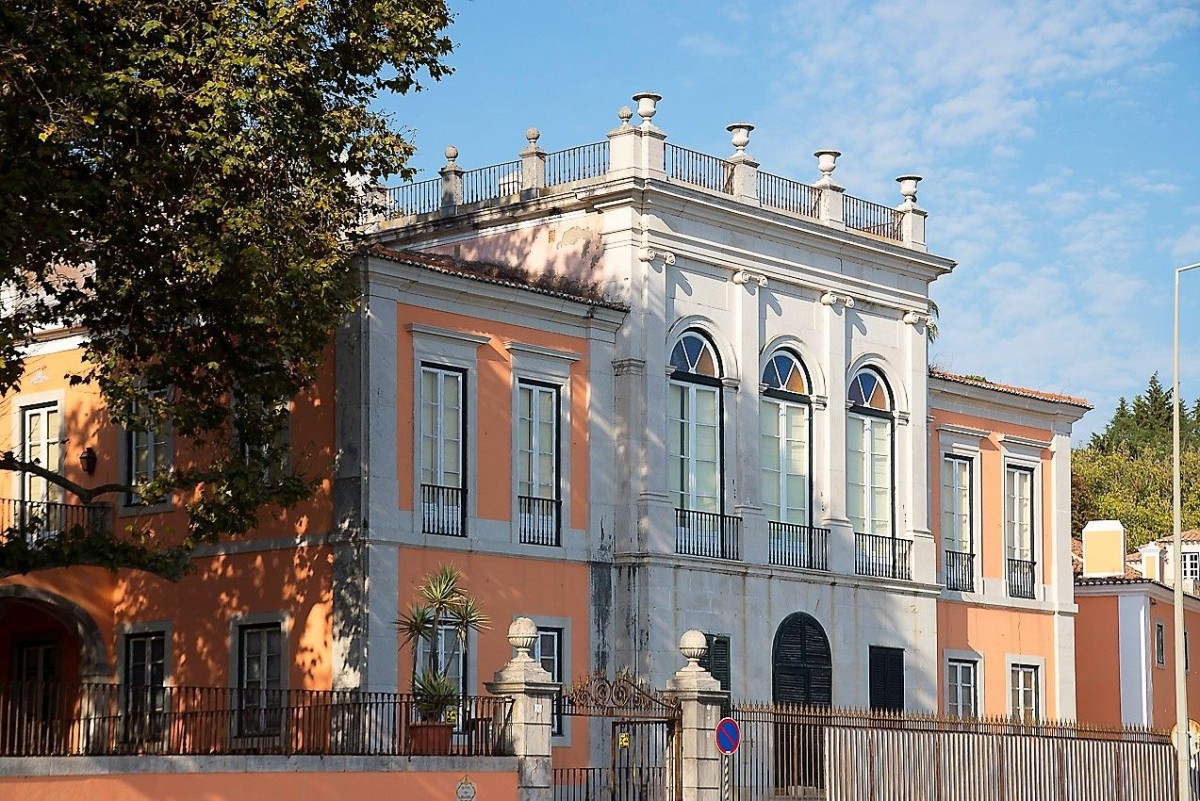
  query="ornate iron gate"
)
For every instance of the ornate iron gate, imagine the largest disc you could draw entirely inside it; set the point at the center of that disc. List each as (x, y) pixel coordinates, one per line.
(633, 742)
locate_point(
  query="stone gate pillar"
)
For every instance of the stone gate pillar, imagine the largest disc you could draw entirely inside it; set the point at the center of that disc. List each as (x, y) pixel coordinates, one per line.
(527, 735)
(700, 698)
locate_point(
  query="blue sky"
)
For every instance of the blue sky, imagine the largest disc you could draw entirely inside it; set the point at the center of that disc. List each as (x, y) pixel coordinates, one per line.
(1059, 141)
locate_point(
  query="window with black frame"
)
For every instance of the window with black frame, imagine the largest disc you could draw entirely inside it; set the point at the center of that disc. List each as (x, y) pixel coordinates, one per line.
(145, 686)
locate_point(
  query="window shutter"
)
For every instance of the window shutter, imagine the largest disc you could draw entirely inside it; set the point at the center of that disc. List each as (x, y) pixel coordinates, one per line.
(886, 676)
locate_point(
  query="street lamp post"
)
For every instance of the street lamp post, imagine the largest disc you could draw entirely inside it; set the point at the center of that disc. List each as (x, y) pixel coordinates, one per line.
(1182, 733)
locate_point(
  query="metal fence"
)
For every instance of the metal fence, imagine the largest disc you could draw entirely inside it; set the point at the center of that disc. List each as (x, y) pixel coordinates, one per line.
(44, 719)
(443, 510)
(805, 752)
(540, 520)
(421, 197)
(497, 180)
(709, 534)
(576, 163)
(699, 169)
(959, 572)
(882, 557)
(1021, 575)
(35, 521)
(783, 193)
(874, 218)
(798, 546)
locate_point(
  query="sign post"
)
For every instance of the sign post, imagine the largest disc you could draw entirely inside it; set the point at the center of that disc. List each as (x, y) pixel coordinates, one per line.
(729, 736)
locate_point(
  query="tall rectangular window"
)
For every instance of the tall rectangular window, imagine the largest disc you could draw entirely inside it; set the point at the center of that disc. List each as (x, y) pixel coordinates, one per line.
(443, 421)
(145, 679)
(149, 455)
(962, 688)
(537, 463)
(957, 534)
(784, 453)
(1018, 512)
(260, 680)
(1024, 700)
(41, 513)
(694, 447)
(1160, 644)
(869, 474)
(547, 651)
(451, 662)
(885, 677)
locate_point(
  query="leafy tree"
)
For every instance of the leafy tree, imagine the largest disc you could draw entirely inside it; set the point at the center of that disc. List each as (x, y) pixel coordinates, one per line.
(177, 180)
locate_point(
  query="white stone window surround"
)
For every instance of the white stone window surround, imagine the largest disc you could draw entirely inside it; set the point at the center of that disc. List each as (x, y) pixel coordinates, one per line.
(962, 442)
(29, 400)
(564, 625)
(1160, 644)
(959, 655)
(537, 364)
(1022, 660)
(1023, 453)
(127, 630)
(446, 347)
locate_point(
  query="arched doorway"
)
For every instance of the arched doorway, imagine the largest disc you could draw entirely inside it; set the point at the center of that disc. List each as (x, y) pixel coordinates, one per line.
(802, 669)
(802, 673)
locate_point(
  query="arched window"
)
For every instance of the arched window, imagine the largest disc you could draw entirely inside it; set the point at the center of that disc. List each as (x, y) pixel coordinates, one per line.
(694, 425)
(869, 458)
(784, 446)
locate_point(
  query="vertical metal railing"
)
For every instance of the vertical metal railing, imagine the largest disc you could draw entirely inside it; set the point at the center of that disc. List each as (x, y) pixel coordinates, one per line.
(1021, 578)
(873, 218)
(496, 180)
(710, 534)
(699, 169)
(443, 510)
(798, 546)
(959, 571)
(540, 520)
(777, 192)
(36, 521)
(421, 197)
(882, 557)
(577, 163)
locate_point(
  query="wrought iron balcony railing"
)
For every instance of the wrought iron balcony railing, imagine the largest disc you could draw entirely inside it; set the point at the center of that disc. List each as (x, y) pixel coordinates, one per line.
(37, 521)
(443, 510)
(882, 557)
(710, 534)
(50, 719)
(540, 520)
(798, 546)
(959, 571)
(1021, 578)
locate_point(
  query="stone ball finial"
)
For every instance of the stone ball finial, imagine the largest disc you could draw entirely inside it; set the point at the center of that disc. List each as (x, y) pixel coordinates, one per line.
(522, 633)
(647, 105)
(693, 645)
(625, 114)
(908, 187)
(533, 134)
(451, 154)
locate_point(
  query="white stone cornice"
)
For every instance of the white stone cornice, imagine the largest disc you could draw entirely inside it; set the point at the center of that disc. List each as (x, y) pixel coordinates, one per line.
(965, 431)
(916, 318)
(447, 333)
(831, 298)
(1023, 442)
(513, 346)
(749, 278)
(647, 254)
(629, 366)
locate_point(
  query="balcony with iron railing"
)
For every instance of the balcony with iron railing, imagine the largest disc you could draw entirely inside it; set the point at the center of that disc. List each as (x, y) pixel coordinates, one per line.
(798, 546)
(959, 571)
(38, 521)
(736, 178)
(882, 557)
(39, 719)
(540, 520)
(443, 510)
(1021, 578)
(709, 534)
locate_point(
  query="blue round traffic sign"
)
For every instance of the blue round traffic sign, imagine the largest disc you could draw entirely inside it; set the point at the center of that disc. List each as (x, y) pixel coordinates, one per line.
(729, 735)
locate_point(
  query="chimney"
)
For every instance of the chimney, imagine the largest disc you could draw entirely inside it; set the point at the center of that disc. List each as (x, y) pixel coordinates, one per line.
(1103, 549)
(1152, 562)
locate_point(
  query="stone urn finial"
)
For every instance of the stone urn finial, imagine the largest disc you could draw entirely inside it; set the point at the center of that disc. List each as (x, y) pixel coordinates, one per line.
(451, 155)
(908, 187)
(647, 106)
(522, 633)
(533, 134)
(693, 645)
(827, 163)
(740, 136)
(625, 114)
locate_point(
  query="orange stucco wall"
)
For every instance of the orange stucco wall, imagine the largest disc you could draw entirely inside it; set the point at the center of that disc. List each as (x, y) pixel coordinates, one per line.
(1097, 661)
(1162, 678)
(330, 786)
(994, 633)
(509, 587)
(489, 436)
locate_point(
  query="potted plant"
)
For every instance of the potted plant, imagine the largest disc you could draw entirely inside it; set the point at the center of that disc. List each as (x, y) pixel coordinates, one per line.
(443, 609)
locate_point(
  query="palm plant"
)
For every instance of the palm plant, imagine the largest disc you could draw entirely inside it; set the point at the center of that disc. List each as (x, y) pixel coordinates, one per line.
(443, 603)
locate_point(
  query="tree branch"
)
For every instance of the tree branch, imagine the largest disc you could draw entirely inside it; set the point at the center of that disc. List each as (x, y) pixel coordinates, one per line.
(9, 462)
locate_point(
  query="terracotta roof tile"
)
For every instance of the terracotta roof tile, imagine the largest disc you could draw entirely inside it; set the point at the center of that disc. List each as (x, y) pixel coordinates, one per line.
(1012, 390)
